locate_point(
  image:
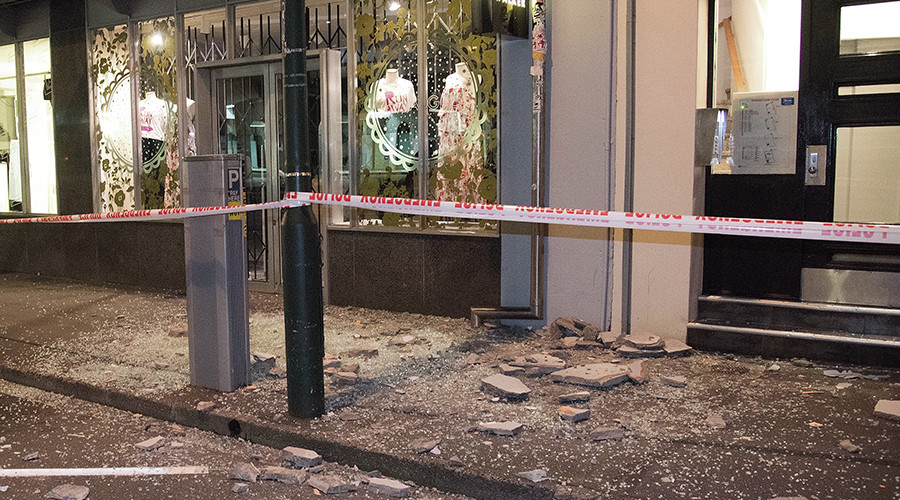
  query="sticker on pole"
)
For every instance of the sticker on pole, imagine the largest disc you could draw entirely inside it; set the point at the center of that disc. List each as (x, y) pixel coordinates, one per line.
(234, 195)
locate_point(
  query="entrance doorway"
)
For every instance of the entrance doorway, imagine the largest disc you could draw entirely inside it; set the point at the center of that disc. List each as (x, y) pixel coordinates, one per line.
(241, 111)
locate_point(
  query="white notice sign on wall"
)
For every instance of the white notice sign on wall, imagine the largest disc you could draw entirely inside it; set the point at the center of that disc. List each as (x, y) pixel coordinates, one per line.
(765, 133)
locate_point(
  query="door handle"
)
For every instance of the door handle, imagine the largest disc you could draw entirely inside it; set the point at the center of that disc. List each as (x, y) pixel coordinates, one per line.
(816, 161)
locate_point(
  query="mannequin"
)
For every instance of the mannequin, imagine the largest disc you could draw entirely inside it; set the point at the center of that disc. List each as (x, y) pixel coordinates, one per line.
(459, 137)
(394, 94)
(154, 115)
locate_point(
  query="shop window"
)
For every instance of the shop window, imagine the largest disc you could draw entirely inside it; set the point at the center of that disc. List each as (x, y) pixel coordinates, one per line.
(27, 160)
(426, 108)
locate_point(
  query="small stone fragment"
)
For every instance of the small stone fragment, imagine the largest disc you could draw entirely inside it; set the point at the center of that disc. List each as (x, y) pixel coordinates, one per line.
(539, 364)
(240, 488)
(773, 368)
(362, 353)
(568, 326)
(283, 475)
(608, 433)
(159, 365)
(715, 421)
(473, 359)
(535, 476)
(591, 332)
(455, 461)
(205, 406)
(68, 492)
(627, 351)
(31, 457)
(849, 447)
(570, 341)
(424, 445)
(504, 386)
(667, 479)
(317, 469)
(152, 443)
(177, 430)
(176, 445)
(263, 357)
(575, 397)
(643, 342)
(300, 457)
(802, 362)
(573, 415)
(512, 371)
(637, 372)
(888, 408)
(675, 347)
(675, 381)
(246, 472)
(331, 484)
(331, 363)
(593, 375)
(843, 385)
(277, 373)
(351, 367)
(345, 378)
(609, 339)
(500, 428)
(390, 487)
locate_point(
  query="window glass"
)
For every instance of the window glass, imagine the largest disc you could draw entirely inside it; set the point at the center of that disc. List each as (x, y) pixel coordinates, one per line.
(10, 164)
(39, 111)
(867, 175)
(112, 117)
(159, 172)
(870, 28)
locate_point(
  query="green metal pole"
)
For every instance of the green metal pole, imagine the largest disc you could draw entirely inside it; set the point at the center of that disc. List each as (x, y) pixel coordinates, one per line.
(304, 331)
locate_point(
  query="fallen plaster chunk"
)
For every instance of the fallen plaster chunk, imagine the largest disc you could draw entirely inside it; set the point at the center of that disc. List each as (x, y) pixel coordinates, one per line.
(608, 433)
(539, 364)
(205, 406)
(390, 487)
(240, 488)
(68, 492)
(675, 347)
(593, 375)
(575, 397)
(637, 372)
(504, 386)
(627, 351)
(573, 415)
(535, 476)
(283, 475)
(512, 371)
(675, 381)
(424, 445)
(331, 484)
(500, 428)
(300, 458)
(888, 408)
(849, 447)
(715, 421)
(152, 443)
(246, 472)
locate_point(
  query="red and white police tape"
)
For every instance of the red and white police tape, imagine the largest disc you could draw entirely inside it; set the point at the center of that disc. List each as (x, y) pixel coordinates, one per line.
(806, 230)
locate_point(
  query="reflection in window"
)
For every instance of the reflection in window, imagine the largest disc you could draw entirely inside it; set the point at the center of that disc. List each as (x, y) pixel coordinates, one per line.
(870, 28)
(10, 163)
(41, 157)
(867, 178)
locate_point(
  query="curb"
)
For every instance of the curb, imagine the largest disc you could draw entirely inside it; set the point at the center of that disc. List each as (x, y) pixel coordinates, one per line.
(280, 436)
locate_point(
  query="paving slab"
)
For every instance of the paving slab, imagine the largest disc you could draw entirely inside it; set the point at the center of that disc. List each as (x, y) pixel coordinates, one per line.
(593, 375)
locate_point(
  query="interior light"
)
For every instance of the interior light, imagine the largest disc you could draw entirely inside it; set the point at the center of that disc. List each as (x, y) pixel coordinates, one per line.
(156, 39)
(394, 6)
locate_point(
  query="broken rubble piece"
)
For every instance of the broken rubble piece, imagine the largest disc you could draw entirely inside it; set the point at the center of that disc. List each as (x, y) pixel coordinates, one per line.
(805, 363)
(351, 367)
(504, 386)
(277, 373)
(643, 342)
(331, 484)
(283, 475)
(500, 428)
(593, 375)
(473, 359)
(240, 488)
(627, 351)
(68, 492)
(843, 385)
(561, 492)
(345, 378)
(263, 357)
(567, 327)
(715, 421)
(773, 368)
(331, 363)
(455, 461)
(362, 353)
(245, 472)
(591, 332)
(675, 381)
(159, 365)
(608, 433)
(575, 397)
(152, 443)
(31, 456)
(539, 364)
(570, 341)
(390, 487)
(609, 339)
(675, 347)
(300, 458)
(573, 414)
(534, 476)
(888, 408)
(849, 447)
(512, 371)
(424, 445)
(204, 406)
(637, 372)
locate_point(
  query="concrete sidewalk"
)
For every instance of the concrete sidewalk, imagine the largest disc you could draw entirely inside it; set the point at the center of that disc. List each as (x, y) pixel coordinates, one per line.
(419, 378)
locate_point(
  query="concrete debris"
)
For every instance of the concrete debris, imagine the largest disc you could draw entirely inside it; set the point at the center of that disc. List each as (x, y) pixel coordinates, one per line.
(300, 458)
(847, 374)
(675, 381)
(362, 353)
(455, 461)
(240, 488)
(331, 363)
(177, 331)
(570, 341)
(643, 342)
(512, 371)
(277, 373)
(715, 421)
(389, 487)
(176, 445)
(575, 397)
(245, 472)
(31, 457)
(205, 406)
(317, 469)
(561, 492)
(539, 364)
(504, 386)
(667, 479)
(177, 430)
(608, 433)
(331, 484)
(345, 378)
(573, 414)
(805, 363)
(637, 372)
(843, 385)
(773, 368)
(500, 428)
(152, 443)
(591, 332)
(593, 375)
(609, 339)
(888, 408)
(68, 492)
(473, 359)
(283, 475)
(263, 357)
(568, 327)
(424, 445)
(849, 447)
(159, 365)
(627, 351)
(675, 347)
(535, 476)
